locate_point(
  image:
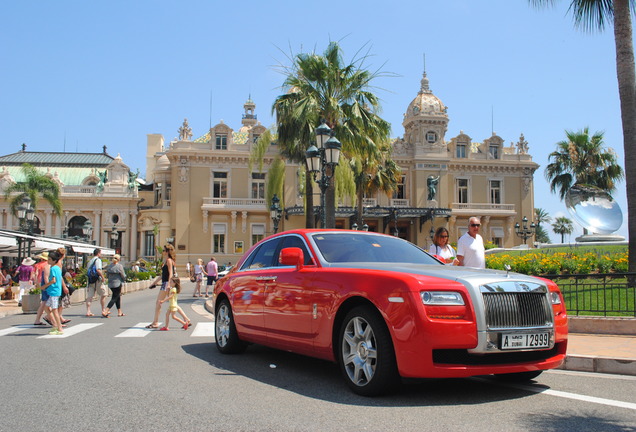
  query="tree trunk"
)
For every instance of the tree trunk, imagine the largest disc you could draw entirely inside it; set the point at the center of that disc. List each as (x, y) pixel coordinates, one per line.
(627, 91)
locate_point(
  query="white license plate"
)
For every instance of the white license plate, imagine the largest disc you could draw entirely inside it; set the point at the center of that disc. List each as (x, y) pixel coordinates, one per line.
(511, 341)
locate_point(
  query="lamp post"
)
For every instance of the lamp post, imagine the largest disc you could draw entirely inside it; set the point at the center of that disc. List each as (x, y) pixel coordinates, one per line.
(114, 236)
(323, 155)
(87, 230)
(26, 215)
(524, 231)
(275, 212)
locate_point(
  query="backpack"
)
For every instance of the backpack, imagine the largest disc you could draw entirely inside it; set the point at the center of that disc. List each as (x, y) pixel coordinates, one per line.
(92, 274)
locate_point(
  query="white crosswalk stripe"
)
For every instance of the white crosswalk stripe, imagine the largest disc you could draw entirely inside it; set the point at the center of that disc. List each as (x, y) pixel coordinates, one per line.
(70, 331)
(139, 330)
(205, 329)
(17, 328)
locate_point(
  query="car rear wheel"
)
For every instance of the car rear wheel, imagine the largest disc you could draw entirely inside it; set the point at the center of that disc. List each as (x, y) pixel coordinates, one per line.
(518, 377)
(227, 340)
(366, 354)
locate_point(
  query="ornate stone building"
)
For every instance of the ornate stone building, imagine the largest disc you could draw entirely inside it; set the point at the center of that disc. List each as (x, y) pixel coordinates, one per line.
(209, 202)
(94, 187)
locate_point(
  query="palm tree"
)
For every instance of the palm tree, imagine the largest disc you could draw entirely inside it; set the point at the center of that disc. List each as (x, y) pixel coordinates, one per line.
(563, 226)
(34, 185)
(582, 160)
(372, 175)
(541, 216)
(594, 14)
(322, 87)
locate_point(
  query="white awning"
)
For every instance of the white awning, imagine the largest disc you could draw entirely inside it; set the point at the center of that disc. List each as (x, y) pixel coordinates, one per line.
(42, 244)
(7, 241)
(83, 249)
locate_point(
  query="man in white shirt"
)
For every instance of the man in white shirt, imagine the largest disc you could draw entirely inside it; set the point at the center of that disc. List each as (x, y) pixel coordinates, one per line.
(470, 246)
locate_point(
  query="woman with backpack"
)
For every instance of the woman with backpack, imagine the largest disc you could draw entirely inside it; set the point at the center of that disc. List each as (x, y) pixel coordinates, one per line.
(116, 277)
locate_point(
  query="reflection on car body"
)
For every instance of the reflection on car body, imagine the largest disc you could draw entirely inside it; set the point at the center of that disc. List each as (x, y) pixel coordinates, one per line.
(382, 308)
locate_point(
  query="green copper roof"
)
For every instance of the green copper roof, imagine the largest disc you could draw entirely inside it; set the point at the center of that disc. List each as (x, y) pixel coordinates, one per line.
(57, 159)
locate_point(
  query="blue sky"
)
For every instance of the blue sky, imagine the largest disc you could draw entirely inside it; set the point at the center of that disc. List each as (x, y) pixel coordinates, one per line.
(79, 75)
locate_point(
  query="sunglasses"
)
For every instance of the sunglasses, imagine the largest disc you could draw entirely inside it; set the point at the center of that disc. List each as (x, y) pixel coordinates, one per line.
(443, 236)
(475, 225)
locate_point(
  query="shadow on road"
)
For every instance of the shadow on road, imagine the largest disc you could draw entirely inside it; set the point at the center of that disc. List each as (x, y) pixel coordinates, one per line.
(321, 379)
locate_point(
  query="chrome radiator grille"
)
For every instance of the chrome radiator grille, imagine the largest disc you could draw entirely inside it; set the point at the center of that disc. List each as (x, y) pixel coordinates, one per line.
(517, 309)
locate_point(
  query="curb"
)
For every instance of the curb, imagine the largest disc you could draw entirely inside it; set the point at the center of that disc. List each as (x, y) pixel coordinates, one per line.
(599, 364)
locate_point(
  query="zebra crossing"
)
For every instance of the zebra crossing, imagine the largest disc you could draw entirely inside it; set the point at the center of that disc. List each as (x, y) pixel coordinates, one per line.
(202, 329)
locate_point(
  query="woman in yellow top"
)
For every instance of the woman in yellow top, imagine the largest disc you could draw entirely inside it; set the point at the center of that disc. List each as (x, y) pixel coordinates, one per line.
(173, 307)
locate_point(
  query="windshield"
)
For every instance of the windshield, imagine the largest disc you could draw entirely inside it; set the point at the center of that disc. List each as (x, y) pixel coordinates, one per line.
(359, 247)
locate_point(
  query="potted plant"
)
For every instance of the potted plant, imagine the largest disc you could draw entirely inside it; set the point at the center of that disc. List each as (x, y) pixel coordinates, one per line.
(31, 301)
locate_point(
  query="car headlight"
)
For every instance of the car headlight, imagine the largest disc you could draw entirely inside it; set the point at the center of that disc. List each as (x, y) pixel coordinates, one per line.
(442, 298)
(555, 298)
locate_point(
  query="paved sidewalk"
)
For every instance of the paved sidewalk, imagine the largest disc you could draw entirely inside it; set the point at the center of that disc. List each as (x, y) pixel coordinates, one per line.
(586, 352)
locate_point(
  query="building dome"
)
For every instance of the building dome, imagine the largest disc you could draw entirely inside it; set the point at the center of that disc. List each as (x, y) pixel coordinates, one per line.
(163, 163)
(425, 103)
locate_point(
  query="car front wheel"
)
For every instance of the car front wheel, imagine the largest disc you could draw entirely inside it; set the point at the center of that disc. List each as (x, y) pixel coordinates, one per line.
(227, 340)
(366, 354)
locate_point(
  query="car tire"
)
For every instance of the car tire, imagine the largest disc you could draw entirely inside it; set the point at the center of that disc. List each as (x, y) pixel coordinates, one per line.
(365, 353)
(518, 377)
(225, 334)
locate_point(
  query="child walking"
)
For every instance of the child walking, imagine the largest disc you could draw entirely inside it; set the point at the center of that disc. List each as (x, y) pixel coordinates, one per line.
(54, 290)
(174, 307)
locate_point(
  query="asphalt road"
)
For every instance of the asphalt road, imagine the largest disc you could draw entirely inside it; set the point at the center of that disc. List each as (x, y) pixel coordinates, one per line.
(114, 375)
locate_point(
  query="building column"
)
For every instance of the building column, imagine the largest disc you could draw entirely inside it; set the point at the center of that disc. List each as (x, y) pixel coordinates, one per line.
(485, 232)
(48, 222)
(97, 227)
(133, 253)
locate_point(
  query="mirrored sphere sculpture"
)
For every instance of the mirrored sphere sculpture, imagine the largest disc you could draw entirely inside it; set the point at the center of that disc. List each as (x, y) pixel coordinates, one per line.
(594, 209)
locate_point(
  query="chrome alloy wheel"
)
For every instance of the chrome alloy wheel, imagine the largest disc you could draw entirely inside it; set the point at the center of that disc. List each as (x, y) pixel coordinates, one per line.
(222, 325)
(359, 351)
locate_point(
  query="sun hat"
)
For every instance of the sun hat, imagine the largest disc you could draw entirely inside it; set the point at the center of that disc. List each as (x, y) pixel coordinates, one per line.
(116, 257)
(28, 261)
(44, 255)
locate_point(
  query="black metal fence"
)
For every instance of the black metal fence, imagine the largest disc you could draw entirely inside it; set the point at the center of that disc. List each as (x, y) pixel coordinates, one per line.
(605, 294)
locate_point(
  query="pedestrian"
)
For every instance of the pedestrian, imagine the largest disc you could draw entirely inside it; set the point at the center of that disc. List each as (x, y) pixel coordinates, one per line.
(135, 267)
(167, 272)
(26, 277)
(189, 269)
(174, 307)
(98, 286)
(470, 246)
(198, 277)
(212, 272)
(116, 278)
(54, 290)
(41, 277)
(65, 298)
(441, 248)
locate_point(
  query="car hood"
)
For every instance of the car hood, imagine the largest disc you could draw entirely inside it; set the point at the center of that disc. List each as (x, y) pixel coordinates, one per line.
(465, 275)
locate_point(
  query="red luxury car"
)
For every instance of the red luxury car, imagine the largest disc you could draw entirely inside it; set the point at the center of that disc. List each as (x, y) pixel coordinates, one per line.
(383, 308)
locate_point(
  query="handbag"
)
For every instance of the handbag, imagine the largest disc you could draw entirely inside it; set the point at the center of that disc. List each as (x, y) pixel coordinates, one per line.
(192, 278)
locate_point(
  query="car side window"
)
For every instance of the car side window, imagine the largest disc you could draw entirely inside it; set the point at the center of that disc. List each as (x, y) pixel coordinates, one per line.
(295, 241)
(264, 256)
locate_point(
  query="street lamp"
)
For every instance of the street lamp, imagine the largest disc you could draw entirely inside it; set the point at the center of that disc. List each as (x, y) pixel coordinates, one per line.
(26, 215)
(87, 230)
(524, 231)
(275, 212)
(114, 235)
(323, 155)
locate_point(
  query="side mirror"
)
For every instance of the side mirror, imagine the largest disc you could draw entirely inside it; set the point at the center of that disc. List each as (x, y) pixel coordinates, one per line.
(292, 256)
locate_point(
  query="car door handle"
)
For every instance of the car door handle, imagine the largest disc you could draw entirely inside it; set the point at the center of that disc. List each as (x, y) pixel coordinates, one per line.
(266, 278)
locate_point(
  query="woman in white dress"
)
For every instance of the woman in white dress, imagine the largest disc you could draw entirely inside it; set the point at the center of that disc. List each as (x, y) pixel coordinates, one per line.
(441, 248)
